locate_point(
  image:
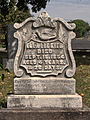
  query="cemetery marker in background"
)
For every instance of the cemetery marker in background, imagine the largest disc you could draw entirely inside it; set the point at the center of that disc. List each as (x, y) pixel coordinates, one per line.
(44, 65)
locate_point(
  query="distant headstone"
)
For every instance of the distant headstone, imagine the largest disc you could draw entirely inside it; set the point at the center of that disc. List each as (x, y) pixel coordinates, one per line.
(12, 42)
(44, 65)
(11, 48)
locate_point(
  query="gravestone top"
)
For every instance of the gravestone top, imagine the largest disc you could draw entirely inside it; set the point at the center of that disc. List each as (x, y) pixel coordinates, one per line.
(44, 47)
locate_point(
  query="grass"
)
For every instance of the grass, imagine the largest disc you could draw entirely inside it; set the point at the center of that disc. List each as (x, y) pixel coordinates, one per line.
(6, 86)
(6, 81)
(82, 77)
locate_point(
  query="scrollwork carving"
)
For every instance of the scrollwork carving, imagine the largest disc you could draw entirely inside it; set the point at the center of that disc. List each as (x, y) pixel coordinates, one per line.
(18, 72)
(44, 47)
(71, 71)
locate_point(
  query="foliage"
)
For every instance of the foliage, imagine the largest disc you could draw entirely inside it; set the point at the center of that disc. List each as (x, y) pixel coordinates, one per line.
(12, 11)
(9, 14)
(2, 77)
(81, 27)
(37, 4)
(82, 77)
(6, 86)
(12, 14)
(18, 10)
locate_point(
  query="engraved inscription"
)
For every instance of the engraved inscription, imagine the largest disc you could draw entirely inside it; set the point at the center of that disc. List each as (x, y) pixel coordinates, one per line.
(39, 86)
(44, 57)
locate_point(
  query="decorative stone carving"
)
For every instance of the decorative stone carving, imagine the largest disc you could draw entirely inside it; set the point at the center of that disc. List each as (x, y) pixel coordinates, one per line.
(44, 47)
(44, 65)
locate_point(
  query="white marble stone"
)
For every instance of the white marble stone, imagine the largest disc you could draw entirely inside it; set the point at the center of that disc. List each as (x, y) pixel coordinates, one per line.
(44, 65)
(44, 101)
(51, 85)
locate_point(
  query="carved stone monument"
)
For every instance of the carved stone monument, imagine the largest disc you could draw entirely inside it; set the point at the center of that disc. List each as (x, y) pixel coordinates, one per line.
(44, 65)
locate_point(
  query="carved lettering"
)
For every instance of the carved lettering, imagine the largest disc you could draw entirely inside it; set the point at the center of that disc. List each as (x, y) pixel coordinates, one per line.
(44, 57)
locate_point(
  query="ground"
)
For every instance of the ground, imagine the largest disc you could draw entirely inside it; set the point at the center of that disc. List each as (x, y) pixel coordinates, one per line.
(82, 77)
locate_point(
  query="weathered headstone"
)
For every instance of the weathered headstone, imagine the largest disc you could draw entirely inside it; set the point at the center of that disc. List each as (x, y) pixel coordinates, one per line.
(12, 42)
(11, 48)
(44, 65)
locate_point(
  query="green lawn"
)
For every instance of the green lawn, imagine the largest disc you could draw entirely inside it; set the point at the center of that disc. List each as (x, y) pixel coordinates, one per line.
(6, 86)
(82, 77)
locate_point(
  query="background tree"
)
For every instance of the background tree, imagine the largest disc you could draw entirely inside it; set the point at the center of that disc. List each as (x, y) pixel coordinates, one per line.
(9, 12)
(81, 27)
(12, 11)
(18, 10)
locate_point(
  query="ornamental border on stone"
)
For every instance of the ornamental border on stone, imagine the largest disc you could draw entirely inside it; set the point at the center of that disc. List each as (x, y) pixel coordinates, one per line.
(45, 21)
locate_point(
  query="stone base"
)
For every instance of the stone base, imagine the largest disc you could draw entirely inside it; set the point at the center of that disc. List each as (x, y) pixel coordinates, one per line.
(50, 85)
(45, 114)
(44, 101)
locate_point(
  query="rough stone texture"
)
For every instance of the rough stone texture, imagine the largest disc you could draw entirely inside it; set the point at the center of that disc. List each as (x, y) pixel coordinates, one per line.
(44, 101)
(44, 65)
(50, 85)
(44, 47)
(12, 48)
(12, 42)
(45, 114)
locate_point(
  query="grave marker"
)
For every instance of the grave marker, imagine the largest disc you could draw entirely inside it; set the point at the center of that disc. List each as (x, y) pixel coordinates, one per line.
(44, 65)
